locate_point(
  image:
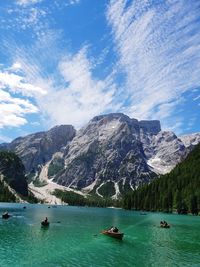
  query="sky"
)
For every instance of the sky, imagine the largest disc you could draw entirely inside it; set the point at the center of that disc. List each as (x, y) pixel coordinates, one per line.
(66, 61)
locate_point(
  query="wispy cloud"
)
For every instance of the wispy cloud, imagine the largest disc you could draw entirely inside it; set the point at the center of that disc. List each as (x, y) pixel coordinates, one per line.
(17, 84)
(82, 95)
(28, 2)
(26, 15)
(147, 73)
(69, 92)
(15, 92)
(159, 51)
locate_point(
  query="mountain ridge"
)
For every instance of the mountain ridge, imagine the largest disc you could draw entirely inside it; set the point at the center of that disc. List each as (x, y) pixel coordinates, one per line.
(111, 153)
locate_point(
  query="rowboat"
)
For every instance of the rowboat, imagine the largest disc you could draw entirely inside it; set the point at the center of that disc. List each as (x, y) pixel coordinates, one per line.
(5, 215)
(164, 224)
(43, 223)
(117, 235)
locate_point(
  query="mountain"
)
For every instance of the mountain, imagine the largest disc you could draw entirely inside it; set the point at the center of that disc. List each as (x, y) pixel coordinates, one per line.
(164, 151)
(37, 149)
(12, 174)
(109, 156)
(114, 153)
(179, 190)
(191, 140)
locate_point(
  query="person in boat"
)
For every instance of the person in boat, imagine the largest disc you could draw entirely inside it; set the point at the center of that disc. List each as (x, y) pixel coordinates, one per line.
(164, 224)
(5, 215)
(113, 229)
(45, 222)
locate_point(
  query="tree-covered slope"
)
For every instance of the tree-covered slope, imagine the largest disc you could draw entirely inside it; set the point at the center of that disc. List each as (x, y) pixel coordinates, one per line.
(5, 194)
(179, 190)
(12, 169)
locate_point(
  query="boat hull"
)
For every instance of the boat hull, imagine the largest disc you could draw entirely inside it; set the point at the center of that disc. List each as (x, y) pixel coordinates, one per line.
(45, 224)
(5, 216)
(166, 226)
(118, 235)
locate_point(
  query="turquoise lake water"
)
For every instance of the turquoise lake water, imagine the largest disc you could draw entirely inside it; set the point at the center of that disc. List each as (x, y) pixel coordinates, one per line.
(76, 240)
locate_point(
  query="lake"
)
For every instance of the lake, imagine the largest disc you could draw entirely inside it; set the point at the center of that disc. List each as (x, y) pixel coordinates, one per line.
(73, 238)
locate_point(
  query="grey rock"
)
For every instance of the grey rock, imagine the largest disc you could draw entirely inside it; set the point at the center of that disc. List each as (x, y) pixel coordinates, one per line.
(108, 149)
(37, 149)
(111, 150)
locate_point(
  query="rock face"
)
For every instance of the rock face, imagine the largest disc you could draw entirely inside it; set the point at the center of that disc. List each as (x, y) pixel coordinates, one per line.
(37, 149)
(108, 149)
(114, 153)
(163, 151)
(190, 140)
(110, 155)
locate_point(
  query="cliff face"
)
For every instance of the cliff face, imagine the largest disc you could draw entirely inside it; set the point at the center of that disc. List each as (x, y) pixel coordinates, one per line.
(37, 149)
(110, 155)
(116, 153)
(108, 150)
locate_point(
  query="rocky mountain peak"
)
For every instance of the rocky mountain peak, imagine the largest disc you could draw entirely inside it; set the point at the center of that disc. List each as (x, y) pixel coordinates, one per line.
(190, 140)
(108, 148)
(112, 153)
(38, 148)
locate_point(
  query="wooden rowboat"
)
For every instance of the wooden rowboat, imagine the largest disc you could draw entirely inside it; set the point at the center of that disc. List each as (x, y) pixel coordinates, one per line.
(45, 224)
(165, 226)
(5, 216)
(117, 235)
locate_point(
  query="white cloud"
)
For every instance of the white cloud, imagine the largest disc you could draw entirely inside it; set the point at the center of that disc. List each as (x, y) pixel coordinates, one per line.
(28, 2)
(15, 92)
(73, 94)
(158, 47)
(82, 95)
(26, 15)
(13, 110)
(18, 84)
(74, 2)
(15, 67)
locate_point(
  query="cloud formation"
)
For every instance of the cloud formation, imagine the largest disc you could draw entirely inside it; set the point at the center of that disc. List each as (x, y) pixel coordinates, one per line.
(15, 94)
(28, 2)
(81, 95)
(143, 61)
(70, 94)
(159, 51)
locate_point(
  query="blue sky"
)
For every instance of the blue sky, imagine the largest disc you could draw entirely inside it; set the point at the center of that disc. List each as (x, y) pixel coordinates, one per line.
(65, 61)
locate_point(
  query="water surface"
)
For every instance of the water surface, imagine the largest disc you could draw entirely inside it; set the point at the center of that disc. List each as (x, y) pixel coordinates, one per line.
(74, 239)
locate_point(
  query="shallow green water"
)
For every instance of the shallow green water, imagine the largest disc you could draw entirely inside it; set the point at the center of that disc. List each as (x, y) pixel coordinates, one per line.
(76, 240)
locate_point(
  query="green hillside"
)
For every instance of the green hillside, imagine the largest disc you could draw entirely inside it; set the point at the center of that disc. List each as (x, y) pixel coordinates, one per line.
(5, 194)
(13, 171)
(177, 191)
